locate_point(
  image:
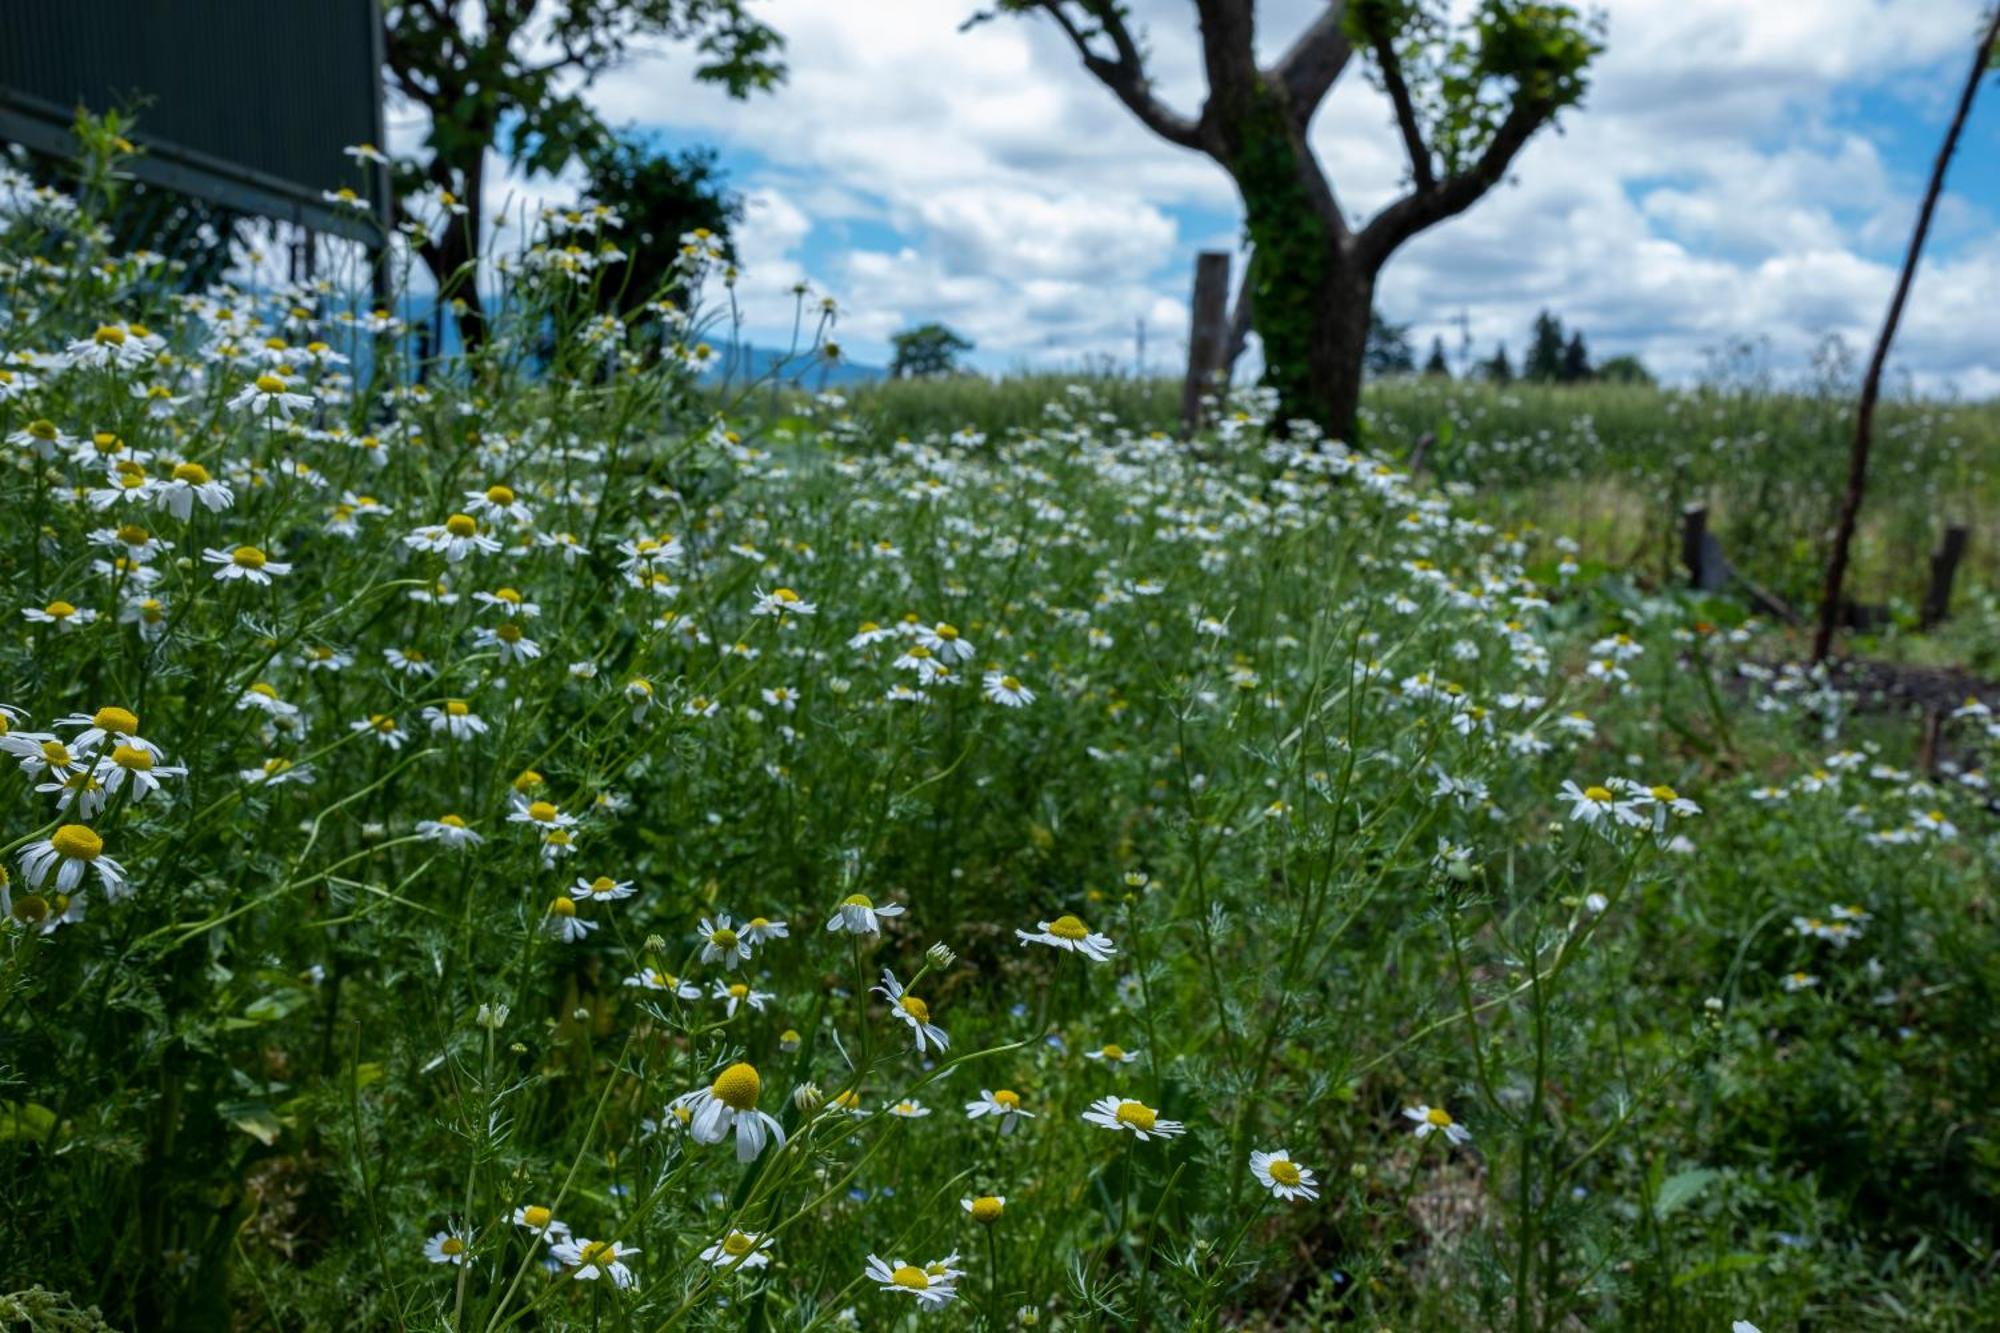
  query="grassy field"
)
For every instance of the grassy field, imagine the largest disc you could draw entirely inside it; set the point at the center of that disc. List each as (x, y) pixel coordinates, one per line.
(524, 852)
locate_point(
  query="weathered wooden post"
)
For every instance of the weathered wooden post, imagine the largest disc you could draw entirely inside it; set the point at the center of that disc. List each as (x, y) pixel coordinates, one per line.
(1944, 568)
(1694, 542)
(1207, 333)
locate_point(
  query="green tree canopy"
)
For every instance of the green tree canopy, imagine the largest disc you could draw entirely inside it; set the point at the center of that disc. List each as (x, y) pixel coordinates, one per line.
(926, 351)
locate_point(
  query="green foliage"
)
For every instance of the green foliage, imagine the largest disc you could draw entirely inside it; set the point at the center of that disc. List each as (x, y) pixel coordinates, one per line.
(1363, 798)
(661, 197)
(1435, 363)
(1388, 351)
(926, 352)
(1624, 369)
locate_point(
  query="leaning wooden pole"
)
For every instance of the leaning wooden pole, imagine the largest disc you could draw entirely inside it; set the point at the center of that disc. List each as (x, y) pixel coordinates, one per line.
(1871, 387)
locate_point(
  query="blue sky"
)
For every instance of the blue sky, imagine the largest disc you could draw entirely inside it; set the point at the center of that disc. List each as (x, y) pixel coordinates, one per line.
(1743, 169)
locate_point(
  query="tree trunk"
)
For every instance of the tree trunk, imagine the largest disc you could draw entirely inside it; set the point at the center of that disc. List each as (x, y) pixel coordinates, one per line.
(1338, 346)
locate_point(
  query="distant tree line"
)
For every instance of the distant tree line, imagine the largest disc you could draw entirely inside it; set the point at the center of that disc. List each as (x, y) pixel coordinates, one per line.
(1554, 357)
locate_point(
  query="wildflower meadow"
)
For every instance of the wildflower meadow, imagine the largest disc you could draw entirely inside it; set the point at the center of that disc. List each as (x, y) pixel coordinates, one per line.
(526, 838)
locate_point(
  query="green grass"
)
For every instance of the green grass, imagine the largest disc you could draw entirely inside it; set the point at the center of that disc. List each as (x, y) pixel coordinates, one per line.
(1297, 748)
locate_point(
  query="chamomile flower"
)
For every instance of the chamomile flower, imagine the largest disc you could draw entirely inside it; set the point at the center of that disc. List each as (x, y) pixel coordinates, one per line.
(498, 502)
(451, 830)
(907, 1109)
(65, 616)
(456, 720)
(561, 921)
(1435, 1119)
(762, 930)
(539, 1221)
(1593, 806)
(188, 485)
(739, 1250)
(1003, 1103)
(249, 563)
(509, 640)
(652, 978)
(592, 1259)
(70, 853)
(603, 889)
(1115, 1113)
(270, 396)
(945, 643)
(781, 602)
(130, 764)
(454, 539)
(730, 1104)
(721, 943)
(1111, 1053)
(1007, 690)
(1286, 1179)
(986, 1209)
(738, 993)
(1069, 933)
(383, 728)
(930, 1292)
(450, 1246)
(40, 752)
(913, 1012)
(858, 915)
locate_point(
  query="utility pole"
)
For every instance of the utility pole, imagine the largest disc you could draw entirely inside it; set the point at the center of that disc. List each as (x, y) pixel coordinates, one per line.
(1139, 329)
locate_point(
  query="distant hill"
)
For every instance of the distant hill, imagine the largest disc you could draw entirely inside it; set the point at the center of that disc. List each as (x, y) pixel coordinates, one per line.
(750, 363)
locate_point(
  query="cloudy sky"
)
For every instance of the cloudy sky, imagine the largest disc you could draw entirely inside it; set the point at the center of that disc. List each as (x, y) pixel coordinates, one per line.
(1742, 169)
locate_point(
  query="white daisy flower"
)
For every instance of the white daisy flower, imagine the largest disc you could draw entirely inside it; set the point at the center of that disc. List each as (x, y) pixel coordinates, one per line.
(652, 978)
(1286, 1179)
(593, 1259)
(451, 830)
(739, 1250)
(762, 930)
(1004, 1103)
(71, 852)
(730, 1103)
(540, 1221)
(456, 719)
(860, 916)
(721, 943)
(738, 993)
(781, 602)
(931, 1293)
(1117, 1114)
(1006, 690)
(563, 923)
(1069, 933)
(912, 1011)
(1111, 1053)
(450, 1246)
(1433, 1119)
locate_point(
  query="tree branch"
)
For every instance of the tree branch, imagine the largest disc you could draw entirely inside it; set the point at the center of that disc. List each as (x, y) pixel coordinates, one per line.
(1228, 40)
(1424, 207)
(1125, 74)
(1406, 111)
(1309, 69)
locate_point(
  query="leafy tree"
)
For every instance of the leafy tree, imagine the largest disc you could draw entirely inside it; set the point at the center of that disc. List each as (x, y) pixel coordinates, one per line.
(522, 65)
(1543, 364)
(1468, 93)
(1388, 351)
(1624, 370)
(1437, 365)
(1499, 370)
(661, 197)
(1575, 361)
(927, 351)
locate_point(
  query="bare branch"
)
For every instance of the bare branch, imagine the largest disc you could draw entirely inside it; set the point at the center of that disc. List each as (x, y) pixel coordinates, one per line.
(1125, 73)
(1228, 39)
(1309, 69)
(1424, 207)
(1406, 111)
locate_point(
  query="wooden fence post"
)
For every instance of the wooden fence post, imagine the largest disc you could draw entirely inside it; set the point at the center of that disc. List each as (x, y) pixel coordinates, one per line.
(1944, 567)
(1694, 535)
(1207, 333)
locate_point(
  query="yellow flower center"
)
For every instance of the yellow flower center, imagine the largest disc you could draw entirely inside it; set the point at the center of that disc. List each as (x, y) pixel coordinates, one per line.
(913, 1278)
(247, 557)
(736, 1245)
(597, 1254)
(603, 884)
(856, 900)
(725, 938)
(1438, 1116)
(508, 633)
(1665, 794)
(106, 443)
(1008, 1098)
(452, 821)
(1137, 1115)
(1068, 928)
(194, 474)
(452, 1246)
(785, 595)
(542, 812)
(272, 384)
(986, 1209)
(739, 991)
(563, 907)
(42, 429)
(916, 1008)
(134, 535)
(109, 335)
(946, 632)
(1010, 683)
(1601, 795)
(457, 708)
(462, 525)
(77, 843)
(264, 689)
(59, 609)
(1283, 1172)
(133, 758)
(500, 495)
(383, 723)
(737, 1087)
(1112, 1051)
(535, 1216)
(56, 753)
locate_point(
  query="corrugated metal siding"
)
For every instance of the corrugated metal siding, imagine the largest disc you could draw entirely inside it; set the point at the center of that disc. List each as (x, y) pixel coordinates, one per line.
(277, 89)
